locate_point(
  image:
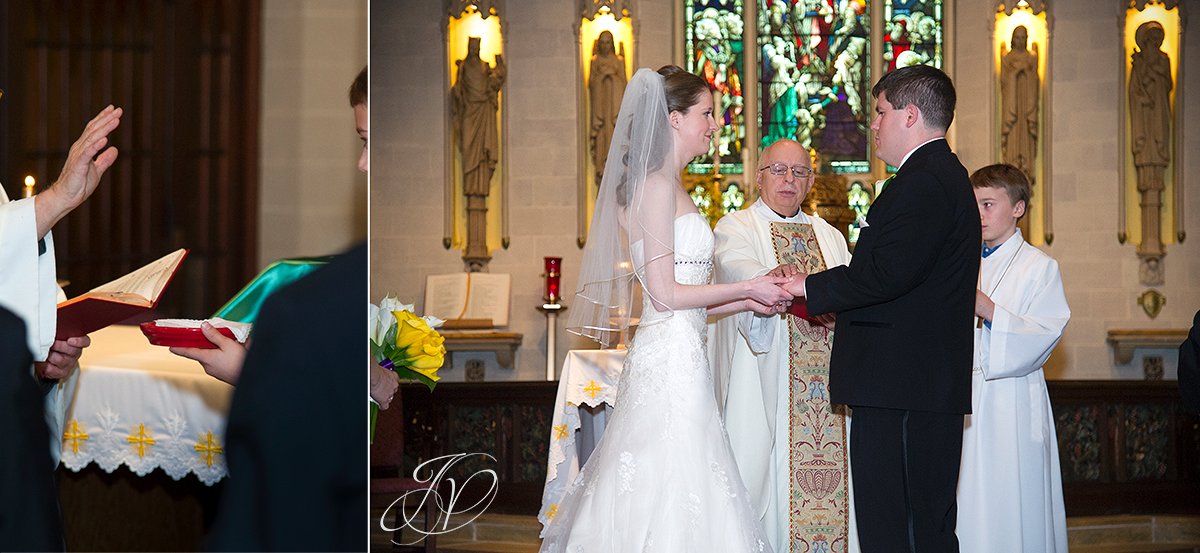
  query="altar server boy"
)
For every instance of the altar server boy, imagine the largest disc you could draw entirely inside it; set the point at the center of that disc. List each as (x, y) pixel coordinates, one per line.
(1010, 486)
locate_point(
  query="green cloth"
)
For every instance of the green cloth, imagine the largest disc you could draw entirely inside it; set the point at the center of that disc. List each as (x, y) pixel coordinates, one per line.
(244, 306)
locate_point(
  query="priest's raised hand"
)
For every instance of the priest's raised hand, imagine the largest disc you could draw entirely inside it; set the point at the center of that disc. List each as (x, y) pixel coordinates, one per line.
(86, 162)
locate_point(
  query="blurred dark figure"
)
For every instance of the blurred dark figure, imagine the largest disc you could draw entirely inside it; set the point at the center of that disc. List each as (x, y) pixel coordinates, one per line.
(1189, 368)
(29, 516)
(297, 429)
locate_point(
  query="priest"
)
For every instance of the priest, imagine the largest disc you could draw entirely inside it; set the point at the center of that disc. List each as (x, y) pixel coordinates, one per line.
(1010, 495)
(772, 372)
(28, 286)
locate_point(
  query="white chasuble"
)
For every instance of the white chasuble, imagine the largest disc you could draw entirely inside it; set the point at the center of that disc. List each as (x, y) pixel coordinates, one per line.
(773, 373)
(1010, 485)
(29, 289)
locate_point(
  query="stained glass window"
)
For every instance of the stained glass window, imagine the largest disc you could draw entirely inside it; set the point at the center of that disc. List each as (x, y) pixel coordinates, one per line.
(733, 199)
(702, 197)
(714, 50)
(813, 78)
(912, 33)
(812, 72)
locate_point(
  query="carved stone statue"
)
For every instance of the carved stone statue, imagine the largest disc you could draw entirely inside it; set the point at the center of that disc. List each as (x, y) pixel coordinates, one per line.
(1150, 87)
(1019, 92)
(606, 86)
(475, 104)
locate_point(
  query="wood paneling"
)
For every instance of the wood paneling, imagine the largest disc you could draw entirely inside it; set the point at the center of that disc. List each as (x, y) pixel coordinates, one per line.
(508, 420)
(186, 73)
(1126, 446)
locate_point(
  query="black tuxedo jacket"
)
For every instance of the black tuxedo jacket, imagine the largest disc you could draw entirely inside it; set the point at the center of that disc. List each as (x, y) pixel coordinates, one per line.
(297, 431)
(906, 302)
(29, 519)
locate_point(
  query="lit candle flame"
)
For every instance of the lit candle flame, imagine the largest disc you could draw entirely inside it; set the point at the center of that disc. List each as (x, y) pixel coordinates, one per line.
(29, 183)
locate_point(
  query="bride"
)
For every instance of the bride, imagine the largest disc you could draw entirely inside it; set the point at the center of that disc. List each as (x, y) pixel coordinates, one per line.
(662, 477)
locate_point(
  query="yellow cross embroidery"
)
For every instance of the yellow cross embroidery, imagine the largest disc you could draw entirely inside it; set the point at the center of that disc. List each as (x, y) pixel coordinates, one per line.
(73, 435)
(141, 439)
(593, 388)
(552, 511)
(208, 448)
(560, 431)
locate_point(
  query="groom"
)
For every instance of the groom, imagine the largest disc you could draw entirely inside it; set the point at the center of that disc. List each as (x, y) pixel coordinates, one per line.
(905, 304)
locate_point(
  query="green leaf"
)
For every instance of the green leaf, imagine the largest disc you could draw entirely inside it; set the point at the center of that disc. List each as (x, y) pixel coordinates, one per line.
(409, 374)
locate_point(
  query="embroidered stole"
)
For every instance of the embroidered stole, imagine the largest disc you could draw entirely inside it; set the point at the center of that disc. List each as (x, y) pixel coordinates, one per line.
(819, 508)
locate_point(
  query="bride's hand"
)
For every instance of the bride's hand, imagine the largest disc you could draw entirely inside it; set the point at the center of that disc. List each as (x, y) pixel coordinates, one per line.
(768, 290)
(773, 309)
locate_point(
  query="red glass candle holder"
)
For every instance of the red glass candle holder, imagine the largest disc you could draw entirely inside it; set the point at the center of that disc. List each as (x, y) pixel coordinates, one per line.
(553, 274)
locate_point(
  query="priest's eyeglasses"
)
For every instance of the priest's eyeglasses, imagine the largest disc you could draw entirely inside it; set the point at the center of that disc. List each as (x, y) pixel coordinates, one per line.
(781, 169)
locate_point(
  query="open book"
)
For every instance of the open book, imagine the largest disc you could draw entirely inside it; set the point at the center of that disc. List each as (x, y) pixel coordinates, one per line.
(118, 300)
(475, 300)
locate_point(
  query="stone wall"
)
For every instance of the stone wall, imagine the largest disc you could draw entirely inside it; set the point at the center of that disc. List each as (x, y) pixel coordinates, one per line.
(312, 199)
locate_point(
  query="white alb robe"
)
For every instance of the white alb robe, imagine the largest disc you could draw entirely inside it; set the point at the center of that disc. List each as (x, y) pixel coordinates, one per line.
(1010, 485)
(28, 288)
(749, 356)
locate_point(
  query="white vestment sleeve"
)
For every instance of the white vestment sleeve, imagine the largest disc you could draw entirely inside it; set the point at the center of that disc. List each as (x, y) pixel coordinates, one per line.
(833, 243)
(27, 280)
(1028, 324)
(737, 243)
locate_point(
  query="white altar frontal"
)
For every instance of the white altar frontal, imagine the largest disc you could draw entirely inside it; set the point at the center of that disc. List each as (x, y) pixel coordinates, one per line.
(141, 406)
(587, 389)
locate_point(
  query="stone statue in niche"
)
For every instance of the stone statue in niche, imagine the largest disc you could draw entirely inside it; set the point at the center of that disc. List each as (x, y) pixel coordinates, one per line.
(1150, 85)
(1019, 93)
(475, 103)
(606, 86)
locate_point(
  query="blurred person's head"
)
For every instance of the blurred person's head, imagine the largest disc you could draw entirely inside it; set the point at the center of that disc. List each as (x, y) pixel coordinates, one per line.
(358, 101)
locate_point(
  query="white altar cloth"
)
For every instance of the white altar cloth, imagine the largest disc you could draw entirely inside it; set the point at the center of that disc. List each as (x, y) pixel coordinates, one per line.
(587, 389)
(142, 406)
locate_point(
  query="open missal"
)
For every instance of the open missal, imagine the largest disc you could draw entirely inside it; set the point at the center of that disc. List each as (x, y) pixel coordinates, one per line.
(474, 300)
(118, 300)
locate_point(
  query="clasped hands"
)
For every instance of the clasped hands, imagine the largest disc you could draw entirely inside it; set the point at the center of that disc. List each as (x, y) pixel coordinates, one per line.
(774, 292)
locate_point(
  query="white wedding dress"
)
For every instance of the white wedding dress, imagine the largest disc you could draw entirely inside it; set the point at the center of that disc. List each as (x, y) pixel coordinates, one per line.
(663, 477)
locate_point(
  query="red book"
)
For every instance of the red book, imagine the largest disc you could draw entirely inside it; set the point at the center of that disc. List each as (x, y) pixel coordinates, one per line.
(121, 299)
(799, 308)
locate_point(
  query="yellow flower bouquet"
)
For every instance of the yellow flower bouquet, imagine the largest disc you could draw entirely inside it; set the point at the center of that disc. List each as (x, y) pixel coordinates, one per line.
(404, 343)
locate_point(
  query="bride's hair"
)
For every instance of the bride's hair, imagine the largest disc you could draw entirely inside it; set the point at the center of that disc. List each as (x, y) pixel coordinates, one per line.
(683, 89)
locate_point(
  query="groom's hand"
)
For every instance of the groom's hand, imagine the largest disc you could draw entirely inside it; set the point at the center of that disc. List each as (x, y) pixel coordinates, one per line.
(795, 287)
(827, 320)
